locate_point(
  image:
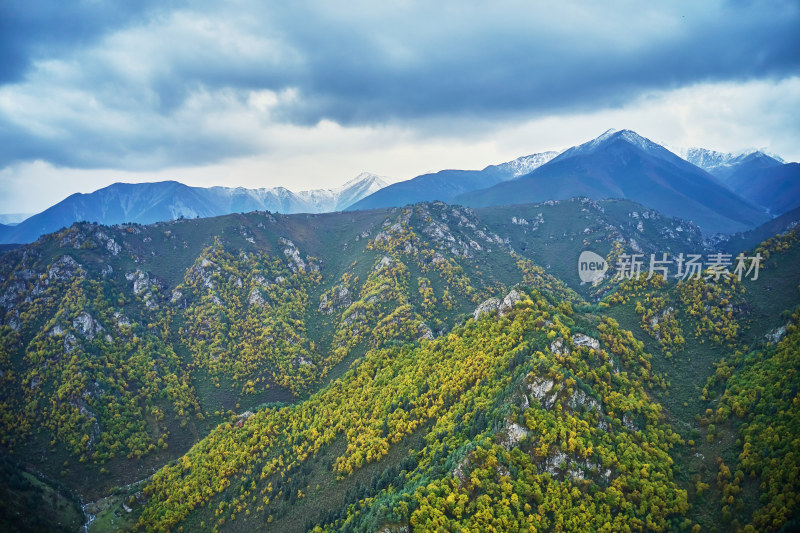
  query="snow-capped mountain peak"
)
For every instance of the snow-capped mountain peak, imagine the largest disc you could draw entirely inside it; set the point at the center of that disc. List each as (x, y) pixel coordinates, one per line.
(357, 188)
(717, 163)
(340, 198)
(372, 181)
(527, 164)
(612, 135)
(146, 203)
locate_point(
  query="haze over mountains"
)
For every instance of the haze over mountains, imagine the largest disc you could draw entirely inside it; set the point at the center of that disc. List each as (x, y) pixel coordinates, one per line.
(11, 219)
(721, 192)
(776, 188)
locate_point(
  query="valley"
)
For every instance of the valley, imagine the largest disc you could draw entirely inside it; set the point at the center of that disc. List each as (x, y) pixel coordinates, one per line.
(399, 267)
(431, 365)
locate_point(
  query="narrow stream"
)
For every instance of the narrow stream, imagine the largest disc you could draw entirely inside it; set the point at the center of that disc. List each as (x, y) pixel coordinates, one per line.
(91, 517)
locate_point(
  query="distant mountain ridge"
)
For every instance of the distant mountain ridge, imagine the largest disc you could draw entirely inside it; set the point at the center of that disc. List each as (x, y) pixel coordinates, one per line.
(447, 184)
(721, 192)
(722, 164)
(146, 203)
(776, 187)
(12, 219)
(623, 164)
(762, 178)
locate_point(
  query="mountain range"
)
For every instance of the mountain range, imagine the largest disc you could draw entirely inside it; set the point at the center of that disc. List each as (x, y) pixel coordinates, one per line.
(447, 184)
(623, 164)
(145, 203)
(723, 165)
(764, 179)
(775, 187)
(721, 192)
(424, 368)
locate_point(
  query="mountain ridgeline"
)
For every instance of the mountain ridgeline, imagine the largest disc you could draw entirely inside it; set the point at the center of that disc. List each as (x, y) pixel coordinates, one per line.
(427, 368)
(146, 203)
(624, 165)
(723, 165)
(446, 185)
(721, 193)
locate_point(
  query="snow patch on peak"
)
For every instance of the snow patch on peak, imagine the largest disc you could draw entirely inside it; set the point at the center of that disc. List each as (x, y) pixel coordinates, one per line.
(637, 140)
(526, 164)
(359, 187)
(373, 181)
(611, 135)
(708, 159)
(773, 155)
(719, 162)
(606, 134)
(282, 200)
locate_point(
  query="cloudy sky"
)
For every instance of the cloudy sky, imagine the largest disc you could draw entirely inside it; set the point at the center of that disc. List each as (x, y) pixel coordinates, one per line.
(309, 94)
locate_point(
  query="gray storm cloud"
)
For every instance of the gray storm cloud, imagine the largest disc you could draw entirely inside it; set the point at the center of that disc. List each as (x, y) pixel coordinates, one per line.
(95, 85)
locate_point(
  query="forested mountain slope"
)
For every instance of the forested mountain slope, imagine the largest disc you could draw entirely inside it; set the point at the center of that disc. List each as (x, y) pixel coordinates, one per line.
(429, 366)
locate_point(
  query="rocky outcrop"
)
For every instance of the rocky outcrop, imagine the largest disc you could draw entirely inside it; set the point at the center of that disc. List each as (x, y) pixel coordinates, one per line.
(385, 262)
(122, 320)
(255, 298)
(424, 332)
(203, 273)
(261, 280)
(141, 281)
(337, 298)
(301, 360)
(581, 340)
(439, 232)
(143, 286)
(486, 307)
(496, 304)
(561, 465)
(87, 326)
(559, 347)
(296, 263)
(110, 244)
(508, 302)
(63, 269)
(460, 471)
(70, 342)
(514, 433)
(580, 400)
(353, 317)
(775, 335)
(541, 389)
